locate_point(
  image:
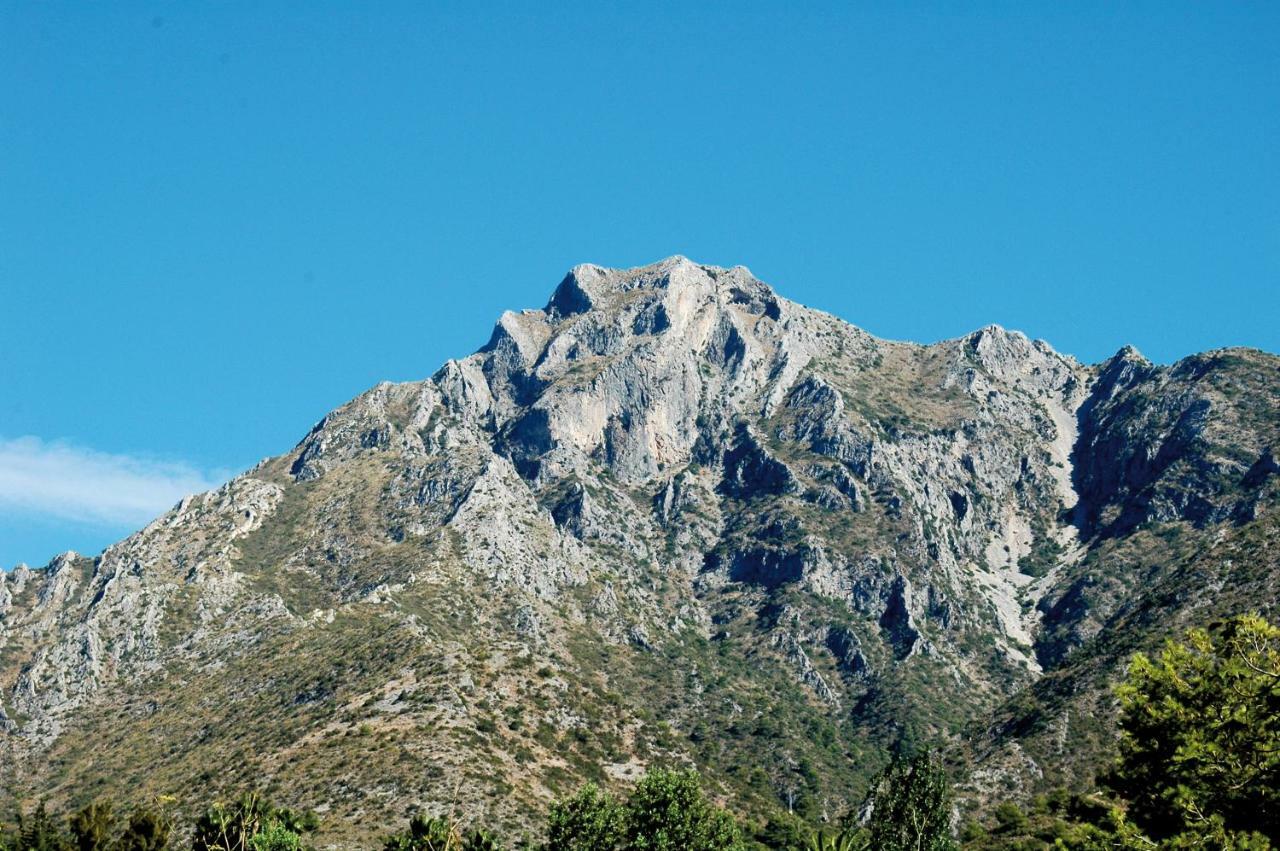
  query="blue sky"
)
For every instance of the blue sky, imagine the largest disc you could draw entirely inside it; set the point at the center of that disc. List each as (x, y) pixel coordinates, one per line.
(220, 220)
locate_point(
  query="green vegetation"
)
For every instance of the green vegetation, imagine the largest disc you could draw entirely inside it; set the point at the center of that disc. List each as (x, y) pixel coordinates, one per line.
(1200, 745)
(251, 824)
(1199, 761)
(93, 828)
(1045, 551)
(590, 819)
(439, 834)
(1198, 767)
(667, 812)
(912, 807)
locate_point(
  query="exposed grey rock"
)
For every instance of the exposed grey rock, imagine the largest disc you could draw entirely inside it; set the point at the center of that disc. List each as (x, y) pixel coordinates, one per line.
(805, 671)
(659, 457)
(1153, 447)
(847, 650)
(898, 621)
(749, 470)
(6, 595)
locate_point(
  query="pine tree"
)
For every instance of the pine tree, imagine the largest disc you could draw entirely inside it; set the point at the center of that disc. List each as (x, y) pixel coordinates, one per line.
(1200, 744)
(39, 832)
(149, 829)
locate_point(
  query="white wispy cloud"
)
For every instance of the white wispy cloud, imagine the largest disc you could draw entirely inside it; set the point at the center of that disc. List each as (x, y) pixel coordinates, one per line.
(74, 483)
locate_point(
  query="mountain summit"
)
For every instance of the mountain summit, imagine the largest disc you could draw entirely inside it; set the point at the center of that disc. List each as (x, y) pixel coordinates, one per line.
(670, 518)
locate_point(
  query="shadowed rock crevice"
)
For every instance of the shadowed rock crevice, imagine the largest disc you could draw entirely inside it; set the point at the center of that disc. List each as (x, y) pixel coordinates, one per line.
(750, 471)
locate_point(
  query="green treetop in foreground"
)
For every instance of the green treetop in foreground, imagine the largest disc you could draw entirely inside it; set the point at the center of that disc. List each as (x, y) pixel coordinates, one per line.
(1199, 760)
(667, 811)
(1200, 743)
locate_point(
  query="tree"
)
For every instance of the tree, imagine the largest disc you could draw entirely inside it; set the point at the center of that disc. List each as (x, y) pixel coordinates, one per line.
(1200, 735)
(149, 828)
(440, 834)
(783, 831)
(274, 836)
(1199, 761)
(911, 806)
(481, 840)
(589, 821)
(426, 834)
(845, 840)
(1010, 817)
(668, 812)
(39, 832)
(93, 827)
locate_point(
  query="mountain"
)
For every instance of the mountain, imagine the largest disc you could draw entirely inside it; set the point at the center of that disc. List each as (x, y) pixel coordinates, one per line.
(670, 518)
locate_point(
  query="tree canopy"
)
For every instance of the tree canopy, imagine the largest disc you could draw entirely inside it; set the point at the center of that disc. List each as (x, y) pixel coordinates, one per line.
(1200, 734)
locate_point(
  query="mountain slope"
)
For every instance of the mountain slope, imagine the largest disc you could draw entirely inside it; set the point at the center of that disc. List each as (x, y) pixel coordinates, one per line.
(670, 517)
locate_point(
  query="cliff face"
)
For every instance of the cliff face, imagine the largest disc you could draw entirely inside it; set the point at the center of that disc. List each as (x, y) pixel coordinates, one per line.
(670, 517)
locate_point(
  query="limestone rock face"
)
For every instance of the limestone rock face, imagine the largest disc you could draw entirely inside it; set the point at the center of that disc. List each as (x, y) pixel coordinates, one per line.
(669, 494)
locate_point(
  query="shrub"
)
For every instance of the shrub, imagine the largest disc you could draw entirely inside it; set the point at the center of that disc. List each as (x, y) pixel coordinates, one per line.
(149, 829)
(667, 811)
(426, 834)
(250, 824)
(92, 827)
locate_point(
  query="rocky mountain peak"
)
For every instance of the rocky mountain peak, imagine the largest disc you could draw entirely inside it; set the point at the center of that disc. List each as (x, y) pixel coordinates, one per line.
(669, 493)
(620, 366)
(592, 287)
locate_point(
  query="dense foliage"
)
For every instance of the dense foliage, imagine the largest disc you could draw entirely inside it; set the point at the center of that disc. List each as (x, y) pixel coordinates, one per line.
(667, 811)
(911, 807)
(1198, 767)
(1199, 761)
(1200, 745)
(590, 819)
(94, 828)
(439, 834)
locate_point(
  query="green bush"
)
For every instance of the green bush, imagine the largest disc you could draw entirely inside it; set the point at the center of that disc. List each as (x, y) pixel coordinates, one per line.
(274, 836)
(93, 828)
(1009, 817)
(667, 811)
(426, 834)
(1198, 761)
(149, 829)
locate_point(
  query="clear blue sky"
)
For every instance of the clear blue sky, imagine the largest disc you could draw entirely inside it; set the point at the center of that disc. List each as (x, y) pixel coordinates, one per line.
(220, 220)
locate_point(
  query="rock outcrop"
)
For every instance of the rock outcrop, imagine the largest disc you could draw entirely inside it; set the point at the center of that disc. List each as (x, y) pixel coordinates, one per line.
(669, 494)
